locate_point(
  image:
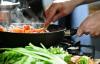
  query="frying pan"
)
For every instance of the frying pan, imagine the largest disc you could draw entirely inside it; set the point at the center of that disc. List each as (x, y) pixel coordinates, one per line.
(55, 36)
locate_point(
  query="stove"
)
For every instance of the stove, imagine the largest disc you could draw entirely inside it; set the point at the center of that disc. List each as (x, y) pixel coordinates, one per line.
(74, 48)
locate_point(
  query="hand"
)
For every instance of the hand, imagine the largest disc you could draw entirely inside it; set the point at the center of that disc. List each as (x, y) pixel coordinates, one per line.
(91, 25)
(59, 9)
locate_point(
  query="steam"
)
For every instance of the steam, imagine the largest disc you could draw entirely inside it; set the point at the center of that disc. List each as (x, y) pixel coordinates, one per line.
(41, 15)
(16, 16)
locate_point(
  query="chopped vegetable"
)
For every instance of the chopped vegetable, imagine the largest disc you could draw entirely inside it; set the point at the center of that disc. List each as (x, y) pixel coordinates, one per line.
(28, 31)
(22, 29)
(83, 60)
(17, 30)
(1, 29)
(36, 55)
(39, 30)
(57, 50)
(28, 55)
(27, 27)
(34, 30)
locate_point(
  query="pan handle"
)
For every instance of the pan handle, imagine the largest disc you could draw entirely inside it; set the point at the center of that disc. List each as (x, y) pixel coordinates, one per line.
(71, 32)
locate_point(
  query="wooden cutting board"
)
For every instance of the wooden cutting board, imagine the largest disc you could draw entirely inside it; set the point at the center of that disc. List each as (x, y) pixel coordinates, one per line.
(97, 62)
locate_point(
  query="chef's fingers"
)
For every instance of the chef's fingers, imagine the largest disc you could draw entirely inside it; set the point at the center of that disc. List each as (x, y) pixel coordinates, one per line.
(79, 32)
(51, 14)
(48, 10)
(58, 16)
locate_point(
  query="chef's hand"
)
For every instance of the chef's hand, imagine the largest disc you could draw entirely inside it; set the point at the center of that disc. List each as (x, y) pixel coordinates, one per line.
(59, 9)
(91, 25)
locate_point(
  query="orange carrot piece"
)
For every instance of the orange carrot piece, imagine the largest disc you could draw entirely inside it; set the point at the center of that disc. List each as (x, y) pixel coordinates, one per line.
(28, 31)
(27, 27)
(1, 29)
(39, 30)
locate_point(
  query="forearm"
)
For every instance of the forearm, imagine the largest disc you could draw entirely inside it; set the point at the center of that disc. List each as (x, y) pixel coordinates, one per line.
(89, 1)
(80, 2)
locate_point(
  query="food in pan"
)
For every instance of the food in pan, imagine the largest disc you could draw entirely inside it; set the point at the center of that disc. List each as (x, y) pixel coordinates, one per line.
(2, 28)
(36, 55)
(23, 29)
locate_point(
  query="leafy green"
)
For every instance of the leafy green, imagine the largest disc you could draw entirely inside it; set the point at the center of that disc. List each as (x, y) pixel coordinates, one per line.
(67, 58)
(36, 55)
(29, 55)
(57, 50)
(83, 60)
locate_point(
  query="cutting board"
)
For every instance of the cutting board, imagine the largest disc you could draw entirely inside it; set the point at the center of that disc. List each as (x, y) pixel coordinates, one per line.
(97, 61)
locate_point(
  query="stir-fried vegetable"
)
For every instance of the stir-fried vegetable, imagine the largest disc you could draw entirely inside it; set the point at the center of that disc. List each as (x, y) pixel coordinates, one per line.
(1, 29)
(22, 29)
(25, 29)
(36, 55)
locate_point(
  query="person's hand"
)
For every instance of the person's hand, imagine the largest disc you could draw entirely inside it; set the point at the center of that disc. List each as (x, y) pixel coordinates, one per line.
(91, 25)
(59, 9)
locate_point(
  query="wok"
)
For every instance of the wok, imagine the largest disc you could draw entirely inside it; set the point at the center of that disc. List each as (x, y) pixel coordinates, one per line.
(55, 36)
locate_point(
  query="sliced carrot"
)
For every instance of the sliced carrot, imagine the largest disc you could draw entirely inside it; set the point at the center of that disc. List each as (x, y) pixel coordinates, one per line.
(27, 27)
(39, 30)
(20, 27)
(10, 30)
(16, 30)
(34, 30)
(20, 31)
(1, 29)
(28, 31)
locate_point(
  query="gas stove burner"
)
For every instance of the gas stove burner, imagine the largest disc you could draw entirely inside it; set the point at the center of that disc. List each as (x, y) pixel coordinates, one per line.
(74, 48)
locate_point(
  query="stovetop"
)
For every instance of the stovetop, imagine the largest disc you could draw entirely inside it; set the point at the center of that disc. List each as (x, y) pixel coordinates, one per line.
(74, 48)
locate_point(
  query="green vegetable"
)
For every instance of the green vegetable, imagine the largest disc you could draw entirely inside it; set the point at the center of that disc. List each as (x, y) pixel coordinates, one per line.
(29, 55)
(57, 50)
(83, 60)
(36, 55)
(67, 58)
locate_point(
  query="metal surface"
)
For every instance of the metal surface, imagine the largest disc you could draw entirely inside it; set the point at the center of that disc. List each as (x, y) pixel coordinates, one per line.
(8, 6)
(71, 32)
